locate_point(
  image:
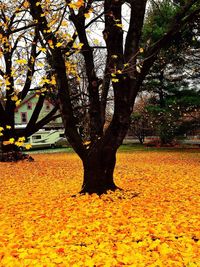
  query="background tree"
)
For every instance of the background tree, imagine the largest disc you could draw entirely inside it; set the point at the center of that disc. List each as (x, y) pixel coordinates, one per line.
(140, 125)
(21, 58)
(177, 110)
(126, 66)
(174, 77)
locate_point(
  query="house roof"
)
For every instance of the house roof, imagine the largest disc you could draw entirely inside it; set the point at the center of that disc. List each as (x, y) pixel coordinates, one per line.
(28, 98)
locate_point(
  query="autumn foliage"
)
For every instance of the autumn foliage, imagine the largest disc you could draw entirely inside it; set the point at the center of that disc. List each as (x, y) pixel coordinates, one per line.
(153, 222)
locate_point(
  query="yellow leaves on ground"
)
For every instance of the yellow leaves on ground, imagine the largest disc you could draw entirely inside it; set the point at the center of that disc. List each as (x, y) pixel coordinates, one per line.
(153, 222)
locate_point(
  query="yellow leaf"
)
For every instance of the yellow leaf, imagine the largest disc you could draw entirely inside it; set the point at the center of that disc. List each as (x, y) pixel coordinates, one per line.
(50, 42)
(59, 44)
(164, 249)
(87, 143)
(53, 81)
(126, 64)
(76, 5)
(77, 46)
(28, 146)
(119, 25)
(12, 140)
(21, 61)
(8, 127)
(14, 98)
(115, 80)
(5, 143)
(96, 41)
(87, 15)
(141, 50)
(40, 64)
(42, 49)
(26, 4)
(7, 82)
(21, 139)
(119, 71)
(17, 103)
(17, 143)
(64, 23)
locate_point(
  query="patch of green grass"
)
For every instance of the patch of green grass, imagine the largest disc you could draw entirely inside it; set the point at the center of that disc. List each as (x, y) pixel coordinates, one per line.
(50, 150)
(139, 147)
(123, 148)
(132, 147)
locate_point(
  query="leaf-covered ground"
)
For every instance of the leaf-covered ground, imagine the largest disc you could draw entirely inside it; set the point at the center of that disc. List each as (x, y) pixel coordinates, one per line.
(154, 222)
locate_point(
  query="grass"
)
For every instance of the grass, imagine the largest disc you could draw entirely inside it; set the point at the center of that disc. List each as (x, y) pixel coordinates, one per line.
(139, 147)
(123, 148)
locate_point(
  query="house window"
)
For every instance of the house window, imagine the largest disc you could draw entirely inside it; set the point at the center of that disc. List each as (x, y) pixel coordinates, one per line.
(23, 117)
(29, 105)
(47, 106)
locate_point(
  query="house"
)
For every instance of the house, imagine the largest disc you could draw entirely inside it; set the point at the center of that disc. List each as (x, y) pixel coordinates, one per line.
(25, 110)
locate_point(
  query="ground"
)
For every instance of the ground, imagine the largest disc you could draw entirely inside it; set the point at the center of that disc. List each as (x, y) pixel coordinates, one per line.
(153, 222)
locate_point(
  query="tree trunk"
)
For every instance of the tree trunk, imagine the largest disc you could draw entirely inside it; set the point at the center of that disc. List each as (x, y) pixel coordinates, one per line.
(98, 171)
(1, 150)
(141, 140)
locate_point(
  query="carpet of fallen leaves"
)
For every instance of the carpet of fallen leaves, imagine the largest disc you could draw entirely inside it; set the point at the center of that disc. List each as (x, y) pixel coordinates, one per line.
(155, 221)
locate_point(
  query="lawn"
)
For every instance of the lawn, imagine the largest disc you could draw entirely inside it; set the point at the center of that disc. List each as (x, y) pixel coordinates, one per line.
(155, 221)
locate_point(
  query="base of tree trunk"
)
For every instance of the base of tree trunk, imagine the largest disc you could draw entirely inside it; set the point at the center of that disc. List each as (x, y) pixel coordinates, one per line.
(100, 190)
(15, 156)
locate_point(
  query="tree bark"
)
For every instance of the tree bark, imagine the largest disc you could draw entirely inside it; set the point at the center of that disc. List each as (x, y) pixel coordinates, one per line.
(98, 171)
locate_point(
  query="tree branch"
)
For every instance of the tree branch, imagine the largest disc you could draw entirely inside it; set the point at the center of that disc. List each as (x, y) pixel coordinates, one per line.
(93, 81)
(37, 126)
(58, 64)
(36, 112)
(31, 65)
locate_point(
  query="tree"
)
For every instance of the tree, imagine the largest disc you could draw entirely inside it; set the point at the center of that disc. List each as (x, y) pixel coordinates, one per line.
(126, 66)
(174, 75)
(140, 125)
(20, 69)
(176, 114)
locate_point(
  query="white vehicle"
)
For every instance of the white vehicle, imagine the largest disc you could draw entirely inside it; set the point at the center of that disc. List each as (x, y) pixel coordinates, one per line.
(45, 139)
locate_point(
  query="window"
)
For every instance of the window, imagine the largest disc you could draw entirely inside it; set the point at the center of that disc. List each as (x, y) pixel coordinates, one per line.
(29, 105)
(47, 106)
(36, 137)
(23, 117)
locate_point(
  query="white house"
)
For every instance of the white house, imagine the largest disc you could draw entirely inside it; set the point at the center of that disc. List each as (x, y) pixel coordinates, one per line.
(24, 112)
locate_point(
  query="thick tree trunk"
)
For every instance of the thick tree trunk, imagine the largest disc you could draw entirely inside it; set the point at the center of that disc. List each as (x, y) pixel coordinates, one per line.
(1, 150)
(98, 172)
